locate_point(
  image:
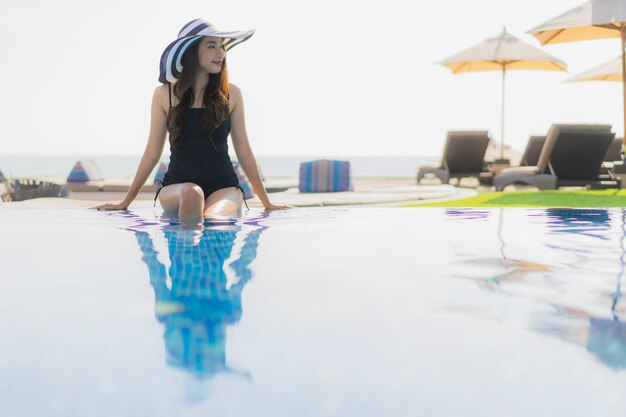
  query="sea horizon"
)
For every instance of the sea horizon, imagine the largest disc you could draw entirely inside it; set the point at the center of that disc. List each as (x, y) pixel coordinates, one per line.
(270, 166)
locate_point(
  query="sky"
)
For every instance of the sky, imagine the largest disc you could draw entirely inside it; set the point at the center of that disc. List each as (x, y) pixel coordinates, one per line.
(319, 78)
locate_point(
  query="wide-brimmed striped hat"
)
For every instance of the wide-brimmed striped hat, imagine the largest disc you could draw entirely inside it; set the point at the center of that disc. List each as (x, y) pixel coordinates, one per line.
(171, 66)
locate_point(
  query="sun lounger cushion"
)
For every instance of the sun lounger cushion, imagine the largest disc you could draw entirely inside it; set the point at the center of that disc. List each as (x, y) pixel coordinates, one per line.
(522, 170)
(85, 170)
(325, 176)
(248, 192)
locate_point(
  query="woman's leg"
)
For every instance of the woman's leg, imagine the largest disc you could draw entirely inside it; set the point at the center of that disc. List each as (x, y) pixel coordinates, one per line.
(223, 202)
(185, 198)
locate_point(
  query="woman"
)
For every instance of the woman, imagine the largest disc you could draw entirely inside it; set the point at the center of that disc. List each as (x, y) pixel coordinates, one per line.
(198, 107)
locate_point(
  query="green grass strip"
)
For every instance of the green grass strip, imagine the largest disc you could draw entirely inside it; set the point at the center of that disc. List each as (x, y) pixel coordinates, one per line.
(546, 198)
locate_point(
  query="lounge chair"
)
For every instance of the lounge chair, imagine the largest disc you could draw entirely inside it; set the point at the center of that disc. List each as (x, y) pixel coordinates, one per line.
(532, 151)
(571, 156)
(463, 156)
(19, 189)
(5, 190)
(614, 153)
(29, 188)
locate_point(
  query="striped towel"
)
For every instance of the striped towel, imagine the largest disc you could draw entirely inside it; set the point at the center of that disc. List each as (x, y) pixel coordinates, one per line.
(85, 170)
(325, 175)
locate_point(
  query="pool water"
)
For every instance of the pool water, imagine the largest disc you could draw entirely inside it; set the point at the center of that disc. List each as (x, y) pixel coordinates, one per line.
(313, 312)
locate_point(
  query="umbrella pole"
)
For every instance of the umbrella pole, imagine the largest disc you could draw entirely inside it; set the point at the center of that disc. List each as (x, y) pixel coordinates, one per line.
(623, 30)
(502, 113)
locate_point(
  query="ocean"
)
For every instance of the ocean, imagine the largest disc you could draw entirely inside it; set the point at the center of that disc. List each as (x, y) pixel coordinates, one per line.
(124, 166)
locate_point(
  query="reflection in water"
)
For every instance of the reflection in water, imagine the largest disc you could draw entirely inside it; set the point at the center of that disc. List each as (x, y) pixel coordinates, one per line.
(600, 330)
(589, 222)
(199, 296)
(467, 214)
(604, 337)
(607, 340)
(505, 268)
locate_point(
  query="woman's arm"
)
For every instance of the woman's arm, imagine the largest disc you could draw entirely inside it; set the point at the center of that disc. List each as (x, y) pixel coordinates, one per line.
(244, 151)
(152, 153)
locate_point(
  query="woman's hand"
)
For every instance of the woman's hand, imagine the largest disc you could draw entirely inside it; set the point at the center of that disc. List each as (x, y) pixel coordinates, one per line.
(271, 206)
(111, 206)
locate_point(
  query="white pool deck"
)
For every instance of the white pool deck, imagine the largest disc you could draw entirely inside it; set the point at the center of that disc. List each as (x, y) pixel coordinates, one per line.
(365, 193)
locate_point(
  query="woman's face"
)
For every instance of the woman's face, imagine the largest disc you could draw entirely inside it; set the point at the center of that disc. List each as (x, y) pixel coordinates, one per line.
(211, 54)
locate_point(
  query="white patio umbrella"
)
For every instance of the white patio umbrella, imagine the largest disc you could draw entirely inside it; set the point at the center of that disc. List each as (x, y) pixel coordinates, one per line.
(502, 53)
(608, 71)
(595, 19)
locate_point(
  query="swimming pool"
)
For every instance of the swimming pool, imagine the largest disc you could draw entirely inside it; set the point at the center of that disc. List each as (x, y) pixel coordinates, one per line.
(313, 312)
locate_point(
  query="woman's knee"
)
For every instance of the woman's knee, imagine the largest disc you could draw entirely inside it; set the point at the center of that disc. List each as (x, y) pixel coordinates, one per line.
(191, 193)
(224, 201)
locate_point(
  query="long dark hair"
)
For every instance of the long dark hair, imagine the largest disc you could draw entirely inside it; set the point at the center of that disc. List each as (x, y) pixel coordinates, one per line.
(215, 97)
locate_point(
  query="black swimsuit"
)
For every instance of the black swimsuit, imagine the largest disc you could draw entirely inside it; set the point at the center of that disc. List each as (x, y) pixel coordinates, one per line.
(199, 159)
